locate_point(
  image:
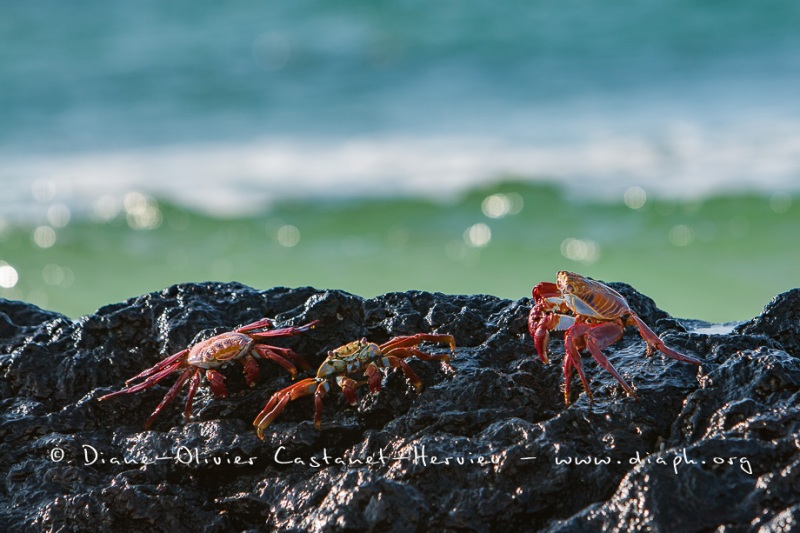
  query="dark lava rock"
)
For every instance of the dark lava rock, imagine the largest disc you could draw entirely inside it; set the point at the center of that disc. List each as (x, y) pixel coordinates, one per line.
(780, 321)
(487, 446)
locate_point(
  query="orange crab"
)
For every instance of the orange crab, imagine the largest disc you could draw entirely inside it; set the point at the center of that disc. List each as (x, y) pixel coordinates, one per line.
(356, 357)
(240, 344)
(592, 316)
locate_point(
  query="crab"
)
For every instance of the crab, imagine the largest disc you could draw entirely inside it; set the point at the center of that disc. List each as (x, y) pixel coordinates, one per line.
(241, 344)
(592, 316)
(359, 356)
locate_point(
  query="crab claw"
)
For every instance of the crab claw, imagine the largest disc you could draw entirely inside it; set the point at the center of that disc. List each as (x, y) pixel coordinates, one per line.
(541, 326)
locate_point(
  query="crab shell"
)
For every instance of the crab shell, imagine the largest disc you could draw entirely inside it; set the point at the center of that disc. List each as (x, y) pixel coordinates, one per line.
(591, 299)
(220, 350)
(349, 358)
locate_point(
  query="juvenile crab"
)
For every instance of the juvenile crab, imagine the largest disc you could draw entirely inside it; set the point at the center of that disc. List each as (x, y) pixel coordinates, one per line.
(592, 316)
(240, 344)
(358, 356)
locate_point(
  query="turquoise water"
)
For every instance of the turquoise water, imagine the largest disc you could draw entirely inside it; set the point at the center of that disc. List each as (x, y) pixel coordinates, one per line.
(720, 259)
(153, 73)
(452, 146)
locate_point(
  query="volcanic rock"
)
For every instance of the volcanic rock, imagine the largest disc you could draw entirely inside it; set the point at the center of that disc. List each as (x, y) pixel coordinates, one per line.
(488, 445)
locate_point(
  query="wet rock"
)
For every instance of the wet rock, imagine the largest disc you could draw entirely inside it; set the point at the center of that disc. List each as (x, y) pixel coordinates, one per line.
(780, 320)
(488, 445)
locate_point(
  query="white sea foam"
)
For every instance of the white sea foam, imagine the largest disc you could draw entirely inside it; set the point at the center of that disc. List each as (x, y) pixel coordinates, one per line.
(717, 329)
(241, 179)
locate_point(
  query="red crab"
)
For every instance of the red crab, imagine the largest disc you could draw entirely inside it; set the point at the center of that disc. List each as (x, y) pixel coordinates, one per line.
(592, 316)
(240, 344)
(356, 357)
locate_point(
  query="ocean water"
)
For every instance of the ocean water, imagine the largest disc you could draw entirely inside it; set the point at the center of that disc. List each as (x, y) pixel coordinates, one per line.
(451, 146)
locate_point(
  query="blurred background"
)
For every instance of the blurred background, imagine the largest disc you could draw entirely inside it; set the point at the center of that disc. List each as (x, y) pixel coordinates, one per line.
(453, 146)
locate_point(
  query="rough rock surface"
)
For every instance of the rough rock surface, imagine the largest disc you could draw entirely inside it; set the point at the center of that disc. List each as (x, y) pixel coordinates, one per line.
(487, 446)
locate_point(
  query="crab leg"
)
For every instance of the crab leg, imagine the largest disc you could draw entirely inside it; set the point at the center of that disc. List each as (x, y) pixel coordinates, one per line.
(412, 340)
(269, 353)
(374, 378)
(568, 366)
(423, 355)
(216, 382)
(193, 384)
(273, 352)
(149, 382)
(287, 353)
(654, 340)
(348, 386)
(258, 324)
(573, 359)
(322, 389)
(602, 336)
(278, 402)
(170, 395)
(251, 370)
(280, 332)
(172, 360)
(394, 359)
